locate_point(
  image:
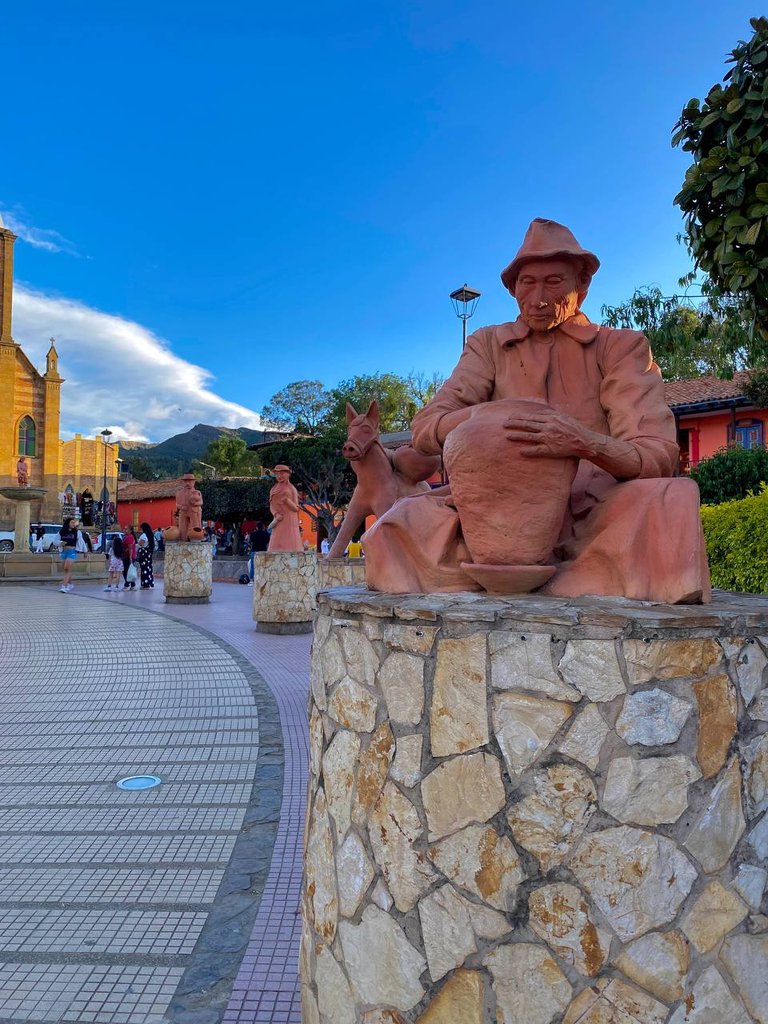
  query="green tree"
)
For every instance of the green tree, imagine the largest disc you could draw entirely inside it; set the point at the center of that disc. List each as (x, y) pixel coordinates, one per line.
(730, 474)
(320, 473)
(399, 398)
(229, 454)
(712, 337)
(232, 501)
(140, 468)
(724, 197)
(301, 406)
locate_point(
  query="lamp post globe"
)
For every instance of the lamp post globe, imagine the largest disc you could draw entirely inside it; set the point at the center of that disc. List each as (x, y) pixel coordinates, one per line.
(106, 434)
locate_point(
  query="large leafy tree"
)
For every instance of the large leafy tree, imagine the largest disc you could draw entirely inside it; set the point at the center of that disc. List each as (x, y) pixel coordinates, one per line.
(711, 337)
(725, 194)
(301, 406)
(231, 457)
(399, 398)
(232, 501)
(320, 473)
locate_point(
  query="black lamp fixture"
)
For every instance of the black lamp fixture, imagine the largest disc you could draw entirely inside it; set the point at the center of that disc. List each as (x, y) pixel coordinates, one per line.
(464, 301)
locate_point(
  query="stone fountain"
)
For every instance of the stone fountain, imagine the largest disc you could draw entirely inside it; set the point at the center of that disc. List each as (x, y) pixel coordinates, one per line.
(23, 497)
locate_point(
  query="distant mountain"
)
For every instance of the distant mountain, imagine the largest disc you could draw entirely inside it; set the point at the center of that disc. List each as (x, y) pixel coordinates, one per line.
(176, 455)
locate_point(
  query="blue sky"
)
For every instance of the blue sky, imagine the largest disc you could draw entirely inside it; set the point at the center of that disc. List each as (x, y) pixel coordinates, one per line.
(266, 193)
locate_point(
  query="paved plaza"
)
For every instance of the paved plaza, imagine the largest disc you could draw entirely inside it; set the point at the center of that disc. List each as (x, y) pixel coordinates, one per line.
(177, 903)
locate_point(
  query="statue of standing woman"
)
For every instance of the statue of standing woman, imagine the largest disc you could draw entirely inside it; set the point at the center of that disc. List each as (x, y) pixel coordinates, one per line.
(284, 506)
(22, 472)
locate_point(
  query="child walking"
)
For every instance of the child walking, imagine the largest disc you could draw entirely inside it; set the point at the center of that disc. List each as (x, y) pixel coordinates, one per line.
(115, 565)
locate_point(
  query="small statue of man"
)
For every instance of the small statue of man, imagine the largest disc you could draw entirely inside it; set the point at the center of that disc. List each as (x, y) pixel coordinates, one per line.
(284, 506)
(189, 509)
(22, 472)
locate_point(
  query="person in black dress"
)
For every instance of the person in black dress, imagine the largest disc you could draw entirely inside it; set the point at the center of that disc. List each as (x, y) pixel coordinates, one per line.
(145, 550)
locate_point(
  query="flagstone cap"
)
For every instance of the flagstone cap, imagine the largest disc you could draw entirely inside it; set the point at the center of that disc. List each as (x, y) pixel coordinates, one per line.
(546, 239)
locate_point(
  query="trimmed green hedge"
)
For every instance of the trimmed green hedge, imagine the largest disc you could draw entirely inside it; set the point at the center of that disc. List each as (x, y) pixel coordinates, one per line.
(732, 472)
(737, 543)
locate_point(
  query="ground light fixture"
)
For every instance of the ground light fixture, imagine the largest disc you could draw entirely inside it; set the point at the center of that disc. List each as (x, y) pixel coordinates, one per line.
(464, 301)
(138, 782)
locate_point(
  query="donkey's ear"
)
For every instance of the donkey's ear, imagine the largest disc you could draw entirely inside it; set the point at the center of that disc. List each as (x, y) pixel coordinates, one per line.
(373, 411)
(351, 413)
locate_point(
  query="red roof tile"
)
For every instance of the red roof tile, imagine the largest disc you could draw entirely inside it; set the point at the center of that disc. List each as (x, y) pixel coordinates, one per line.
(705, 389)
(143, 490)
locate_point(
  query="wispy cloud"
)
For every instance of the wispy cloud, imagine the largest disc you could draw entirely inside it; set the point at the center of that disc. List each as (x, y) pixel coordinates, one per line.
(119, 373)
(41, 238)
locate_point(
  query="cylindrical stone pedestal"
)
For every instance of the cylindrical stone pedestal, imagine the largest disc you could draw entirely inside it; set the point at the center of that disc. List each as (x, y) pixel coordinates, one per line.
(188, 572)
(284, 591)
(340, 572)
(532, 811)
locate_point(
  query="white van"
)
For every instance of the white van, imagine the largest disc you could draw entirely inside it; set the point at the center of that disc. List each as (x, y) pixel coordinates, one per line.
(51, 537)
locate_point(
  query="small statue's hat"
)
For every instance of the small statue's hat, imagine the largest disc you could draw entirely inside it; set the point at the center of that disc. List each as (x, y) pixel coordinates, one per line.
(546, 239)
(285, 469)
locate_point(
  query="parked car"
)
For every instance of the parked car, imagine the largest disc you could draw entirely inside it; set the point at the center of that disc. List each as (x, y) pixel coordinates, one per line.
(51, 537)
(111, 534)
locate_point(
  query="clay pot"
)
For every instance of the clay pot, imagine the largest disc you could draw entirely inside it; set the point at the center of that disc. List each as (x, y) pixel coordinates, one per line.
(171, 533)
(511, 506)
(196, 533)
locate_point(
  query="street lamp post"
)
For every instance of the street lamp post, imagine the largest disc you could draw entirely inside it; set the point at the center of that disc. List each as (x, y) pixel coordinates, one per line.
(118, 467)
(106, 434)
(464, 300)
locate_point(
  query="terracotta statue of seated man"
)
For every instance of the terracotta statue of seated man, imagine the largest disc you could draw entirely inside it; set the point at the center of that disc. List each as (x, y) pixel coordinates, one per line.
(578, 477)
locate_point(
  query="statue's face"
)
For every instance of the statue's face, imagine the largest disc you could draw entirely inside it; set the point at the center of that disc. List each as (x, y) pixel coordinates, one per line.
(282, 476)
(547, 292)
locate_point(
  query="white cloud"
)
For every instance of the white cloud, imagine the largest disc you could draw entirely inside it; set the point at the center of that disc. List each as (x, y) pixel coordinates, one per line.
(41, 238)
(118, 372)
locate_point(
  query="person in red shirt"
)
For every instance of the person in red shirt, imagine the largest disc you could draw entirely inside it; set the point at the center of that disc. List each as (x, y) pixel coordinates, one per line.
(129, 555)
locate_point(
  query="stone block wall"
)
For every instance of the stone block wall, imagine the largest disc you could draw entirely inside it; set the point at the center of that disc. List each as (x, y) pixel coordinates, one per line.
(532, 811)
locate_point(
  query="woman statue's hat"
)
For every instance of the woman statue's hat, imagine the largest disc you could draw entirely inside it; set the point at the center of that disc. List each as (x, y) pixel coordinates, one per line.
(546, 239)
(285, 469)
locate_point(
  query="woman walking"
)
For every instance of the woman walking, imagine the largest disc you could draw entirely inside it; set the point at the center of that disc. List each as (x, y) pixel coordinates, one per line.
(146, 547)
(68, 553)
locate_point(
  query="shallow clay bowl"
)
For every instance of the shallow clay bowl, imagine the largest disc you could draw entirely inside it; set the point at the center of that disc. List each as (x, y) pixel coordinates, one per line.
(509, 579)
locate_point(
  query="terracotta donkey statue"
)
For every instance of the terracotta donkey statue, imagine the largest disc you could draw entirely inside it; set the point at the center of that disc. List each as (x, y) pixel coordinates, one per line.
(383, 476)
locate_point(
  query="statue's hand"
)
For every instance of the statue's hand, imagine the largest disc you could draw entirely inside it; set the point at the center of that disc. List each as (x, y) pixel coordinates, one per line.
(549, 435)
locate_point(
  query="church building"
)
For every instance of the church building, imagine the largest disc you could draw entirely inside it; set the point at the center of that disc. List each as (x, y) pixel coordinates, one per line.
(29, 423)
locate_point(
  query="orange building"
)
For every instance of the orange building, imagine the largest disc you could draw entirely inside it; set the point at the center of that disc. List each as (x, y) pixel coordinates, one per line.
(712, 413)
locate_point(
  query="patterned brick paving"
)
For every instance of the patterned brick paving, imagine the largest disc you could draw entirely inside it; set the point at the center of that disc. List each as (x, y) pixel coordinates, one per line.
(64, 740)
(266, 988)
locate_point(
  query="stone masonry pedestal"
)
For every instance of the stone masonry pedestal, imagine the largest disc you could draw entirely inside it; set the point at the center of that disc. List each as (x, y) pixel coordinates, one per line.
(188, 572)
(340, 572)
(284, 591)
(536, 811)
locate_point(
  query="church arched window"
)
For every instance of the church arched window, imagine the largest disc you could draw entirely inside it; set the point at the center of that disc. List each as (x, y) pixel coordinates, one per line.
(27, 436)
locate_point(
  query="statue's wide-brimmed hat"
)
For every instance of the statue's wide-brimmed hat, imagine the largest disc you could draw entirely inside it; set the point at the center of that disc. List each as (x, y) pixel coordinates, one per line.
(284, 469)
(546, 239)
